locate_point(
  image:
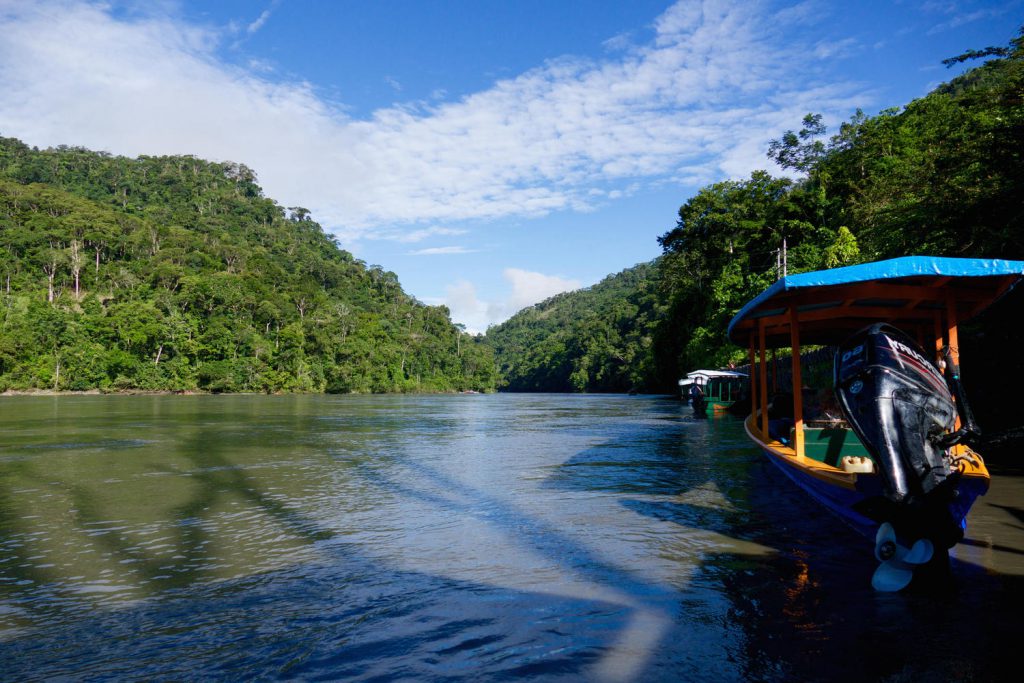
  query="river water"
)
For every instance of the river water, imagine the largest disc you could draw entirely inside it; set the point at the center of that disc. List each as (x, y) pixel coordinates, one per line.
(598, 538)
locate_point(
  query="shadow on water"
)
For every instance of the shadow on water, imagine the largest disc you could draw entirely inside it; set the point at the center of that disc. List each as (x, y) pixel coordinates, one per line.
(807, 610)
(213, 478)
(267, 625)
(1017, 512)
(771, 587)
(447, 631)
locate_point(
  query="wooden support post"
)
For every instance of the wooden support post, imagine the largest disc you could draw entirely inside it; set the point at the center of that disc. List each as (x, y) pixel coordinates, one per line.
(798, 385)
(763, 380)
(951, 333)
(753, 384)
(938, 337)
(954, 341)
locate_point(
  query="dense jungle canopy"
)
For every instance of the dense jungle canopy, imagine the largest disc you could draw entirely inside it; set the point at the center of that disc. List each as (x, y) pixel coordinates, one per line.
(943, 175)
(173, 273)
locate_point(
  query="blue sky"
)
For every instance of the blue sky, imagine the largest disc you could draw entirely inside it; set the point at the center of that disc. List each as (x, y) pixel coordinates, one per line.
(491, 153)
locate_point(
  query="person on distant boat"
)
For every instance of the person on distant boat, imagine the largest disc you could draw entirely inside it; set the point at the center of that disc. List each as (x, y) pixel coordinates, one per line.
(696, 398)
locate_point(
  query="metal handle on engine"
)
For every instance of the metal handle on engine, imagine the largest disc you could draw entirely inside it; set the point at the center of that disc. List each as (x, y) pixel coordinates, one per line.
(969, 430)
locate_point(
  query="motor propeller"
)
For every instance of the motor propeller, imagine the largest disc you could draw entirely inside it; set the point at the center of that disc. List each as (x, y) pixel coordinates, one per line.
(897, 562)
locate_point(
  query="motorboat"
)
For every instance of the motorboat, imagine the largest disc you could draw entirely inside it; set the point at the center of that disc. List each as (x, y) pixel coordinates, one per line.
(895, 461)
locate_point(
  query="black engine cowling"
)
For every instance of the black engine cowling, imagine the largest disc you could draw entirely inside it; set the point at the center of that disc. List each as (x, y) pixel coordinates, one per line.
(899, 404)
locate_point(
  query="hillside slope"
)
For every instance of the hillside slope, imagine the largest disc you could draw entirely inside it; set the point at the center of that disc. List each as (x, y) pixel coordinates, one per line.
(174, 273)
(598, 339)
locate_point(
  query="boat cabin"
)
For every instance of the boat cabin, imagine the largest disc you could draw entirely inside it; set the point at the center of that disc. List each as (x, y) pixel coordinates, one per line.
(925, 297)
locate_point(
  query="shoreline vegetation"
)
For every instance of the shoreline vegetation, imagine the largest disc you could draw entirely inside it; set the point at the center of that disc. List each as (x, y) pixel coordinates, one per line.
(11, 393)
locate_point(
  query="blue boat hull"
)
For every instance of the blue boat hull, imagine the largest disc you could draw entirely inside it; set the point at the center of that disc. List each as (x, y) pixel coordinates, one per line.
(841, 494)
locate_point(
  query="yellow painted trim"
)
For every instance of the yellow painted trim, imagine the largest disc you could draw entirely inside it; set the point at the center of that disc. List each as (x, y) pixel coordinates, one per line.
(834, 475)
(798, 383)
(815, 468)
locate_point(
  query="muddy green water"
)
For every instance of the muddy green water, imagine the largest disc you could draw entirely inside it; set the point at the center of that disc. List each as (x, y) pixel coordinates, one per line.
(454, 537)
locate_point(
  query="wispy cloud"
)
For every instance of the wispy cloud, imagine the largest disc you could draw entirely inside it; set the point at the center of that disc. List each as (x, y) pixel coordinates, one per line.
(258, 24)
(438, 251)
(413, 236)
(698, 100)
(961, 13)
(828, 49)
(961, 19)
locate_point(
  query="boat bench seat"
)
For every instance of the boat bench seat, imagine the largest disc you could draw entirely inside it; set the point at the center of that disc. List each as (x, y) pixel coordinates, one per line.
(830, 444)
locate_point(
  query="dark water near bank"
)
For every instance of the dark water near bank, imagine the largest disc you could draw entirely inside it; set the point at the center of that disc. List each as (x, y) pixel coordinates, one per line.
(454, 537)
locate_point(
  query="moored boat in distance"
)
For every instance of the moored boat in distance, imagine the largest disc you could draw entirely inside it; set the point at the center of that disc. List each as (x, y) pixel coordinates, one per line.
(713, 392)
(894, 459)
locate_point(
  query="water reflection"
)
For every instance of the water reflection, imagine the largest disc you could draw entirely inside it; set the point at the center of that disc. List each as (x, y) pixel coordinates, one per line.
(604, 538)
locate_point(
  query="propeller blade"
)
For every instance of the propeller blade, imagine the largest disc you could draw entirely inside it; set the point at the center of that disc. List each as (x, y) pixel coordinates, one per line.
(891, 577)
(885, 543)
(920, 553)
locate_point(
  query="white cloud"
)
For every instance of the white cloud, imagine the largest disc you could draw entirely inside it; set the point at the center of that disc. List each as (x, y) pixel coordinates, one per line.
(435, 251)
(826, 49)
(465, 307)
(407, 236)
(716, 82)
(527, 288)
(962, 19)
(258, 24)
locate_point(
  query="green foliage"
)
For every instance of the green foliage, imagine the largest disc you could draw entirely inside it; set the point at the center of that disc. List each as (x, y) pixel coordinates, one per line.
(173, 273)
(942, 176)
(593, 340)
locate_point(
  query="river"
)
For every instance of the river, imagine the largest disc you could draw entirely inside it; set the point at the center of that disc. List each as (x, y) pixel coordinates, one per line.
(465, 537)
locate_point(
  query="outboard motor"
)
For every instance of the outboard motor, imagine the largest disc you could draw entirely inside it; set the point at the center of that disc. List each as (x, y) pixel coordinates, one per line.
(900, 406)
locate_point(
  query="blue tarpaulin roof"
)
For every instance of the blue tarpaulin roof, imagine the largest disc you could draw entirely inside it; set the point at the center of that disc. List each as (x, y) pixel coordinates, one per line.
(908, 290)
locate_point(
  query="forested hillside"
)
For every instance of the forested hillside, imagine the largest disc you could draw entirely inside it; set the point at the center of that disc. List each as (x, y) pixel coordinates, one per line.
(173, 273)
(943, 175)
(595, 339)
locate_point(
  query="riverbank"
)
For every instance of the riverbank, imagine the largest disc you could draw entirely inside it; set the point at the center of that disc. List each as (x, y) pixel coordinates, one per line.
(99, 392)
(199, 392)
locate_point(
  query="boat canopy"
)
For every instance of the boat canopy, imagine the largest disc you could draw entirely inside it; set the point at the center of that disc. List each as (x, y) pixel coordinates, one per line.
(911, 292)
(705, 375)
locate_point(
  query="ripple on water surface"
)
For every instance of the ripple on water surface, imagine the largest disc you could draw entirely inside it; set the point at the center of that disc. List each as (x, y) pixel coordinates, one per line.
(442, 537)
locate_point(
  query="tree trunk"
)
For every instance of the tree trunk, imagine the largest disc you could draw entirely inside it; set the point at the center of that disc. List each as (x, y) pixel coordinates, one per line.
(76, 266)
(159, 352)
